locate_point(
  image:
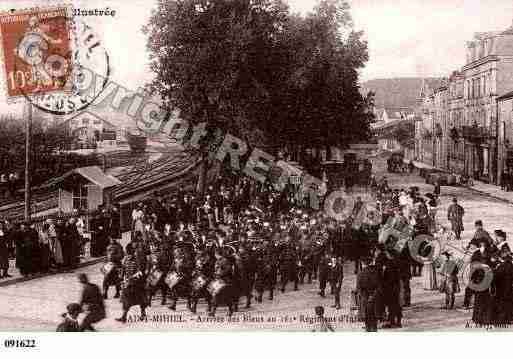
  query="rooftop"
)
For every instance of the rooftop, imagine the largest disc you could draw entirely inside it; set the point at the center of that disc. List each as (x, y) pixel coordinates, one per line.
(91, 173)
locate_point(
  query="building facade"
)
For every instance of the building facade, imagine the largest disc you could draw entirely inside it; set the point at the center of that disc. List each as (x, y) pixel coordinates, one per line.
(488, 73)
(455, 142)
(457, 127)
(425, 115)
(505, 135)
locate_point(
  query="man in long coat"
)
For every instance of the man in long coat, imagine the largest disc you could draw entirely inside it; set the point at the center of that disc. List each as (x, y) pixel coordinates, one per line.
(455, 214)
(24, 250)
(503, 285)
(367, 284)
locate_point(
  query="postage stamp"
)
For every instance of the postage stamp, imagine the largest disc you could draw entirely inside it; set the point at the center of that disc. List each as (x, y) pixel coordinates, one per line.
(37, 50)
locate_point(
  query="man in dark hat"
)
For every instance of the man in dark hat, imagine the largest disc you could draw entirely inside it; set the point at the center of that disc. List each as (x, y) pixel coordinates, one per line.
(502, 246)
(92, 302)
(70, 322)
(480, 236)
(455, 214)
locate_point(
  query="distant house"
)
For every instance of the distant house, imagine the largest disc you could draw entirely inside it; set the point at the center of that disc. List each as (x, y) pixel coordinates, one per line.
(388, 114)
(90, 130)
(388, 119)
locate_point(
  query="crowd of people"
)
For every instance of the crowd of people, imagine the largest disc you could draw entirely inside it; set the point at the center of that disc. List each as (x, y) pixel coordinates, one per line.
(42, 247)
(242, 239)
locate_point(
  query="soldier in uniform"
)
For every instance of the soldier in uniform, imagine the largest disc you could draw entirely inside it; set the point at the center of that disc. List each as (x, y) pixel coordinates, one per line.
(324, 273)
(115, 255)
(368, 282)
(133, 292)
(159, 267)
(336, 277)
(266, 272)
(289, 266)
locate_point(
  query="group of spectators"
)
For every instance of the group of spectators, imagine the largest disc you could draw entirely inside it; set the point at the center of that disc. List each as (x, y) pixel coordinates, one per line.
(41, 247)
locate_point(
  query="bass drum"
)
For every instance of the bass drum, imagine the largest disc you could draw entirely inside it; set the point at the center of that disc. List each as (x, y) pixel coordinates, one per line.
(216, 286)
(172, 279)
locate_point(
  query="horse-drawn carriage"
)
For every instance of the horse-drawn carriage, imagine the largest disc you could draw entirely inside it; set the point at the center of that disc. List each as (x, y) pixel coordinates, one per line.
(352, 171)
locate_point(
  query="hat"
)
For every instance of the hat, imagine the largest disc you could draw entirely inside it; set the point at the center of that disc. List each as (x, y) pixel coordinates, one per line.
(500, 233)
(478, 222)
(74, 308)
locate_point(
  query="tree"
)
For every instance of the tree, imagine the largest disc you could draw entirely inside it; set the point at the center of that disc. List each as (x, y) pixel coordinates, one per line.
(47, 142)
(251, 68)
(322, 93)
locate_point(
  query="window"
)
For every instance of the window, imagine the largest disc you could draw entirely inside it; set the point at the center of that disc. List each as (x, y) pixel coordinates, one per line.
(85, 121)
(80, 198)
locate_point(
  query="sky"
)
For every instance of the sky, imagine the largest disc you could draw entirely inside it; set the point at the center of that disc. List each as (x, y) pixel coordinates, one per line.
(405, 37)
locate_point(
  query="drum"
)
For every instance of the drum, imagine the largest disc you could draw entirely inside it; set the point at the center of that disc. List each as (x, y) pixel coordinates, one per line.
(154, 277)
(173, 279)
(215, 287)
(199, 282)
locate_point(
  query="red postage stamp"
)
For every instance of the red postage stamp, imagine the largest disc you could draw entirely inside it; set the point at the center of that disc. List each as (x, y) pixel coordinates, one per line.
(37, 50)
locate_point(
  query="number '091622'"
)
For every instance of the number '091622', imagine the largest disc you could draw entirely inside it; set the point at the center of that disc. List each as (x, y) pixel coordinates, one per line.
(19, 343)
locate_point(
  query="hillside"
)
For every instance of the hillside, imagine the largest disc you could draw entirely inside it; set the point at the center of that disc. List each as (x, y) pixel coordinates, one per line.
(396, 92)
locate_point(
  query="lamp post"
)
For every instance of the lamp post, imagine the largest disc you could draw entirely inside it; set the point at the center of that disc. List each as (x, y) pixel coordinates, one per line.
(28, 137)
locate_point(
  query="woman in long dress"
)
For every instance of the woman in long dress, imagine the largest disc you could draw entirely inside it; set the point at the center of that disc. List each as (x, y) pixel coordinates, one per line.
(55, 244)
(44, 245)
(430, 273)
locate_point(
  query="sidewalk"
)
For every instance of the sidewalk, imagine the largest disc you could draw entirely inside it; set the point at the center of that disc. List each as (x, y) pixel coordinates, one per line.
(481, 187)
(87, 261)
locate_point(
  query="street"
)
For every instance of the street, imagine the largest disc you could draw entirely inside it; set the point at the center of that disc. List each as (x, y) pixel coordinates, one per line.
(37, 304)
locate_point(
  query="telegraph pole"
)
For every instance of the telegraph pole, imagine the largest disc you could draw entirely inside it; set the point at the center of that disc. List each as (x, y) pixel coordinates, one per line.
(28, 138)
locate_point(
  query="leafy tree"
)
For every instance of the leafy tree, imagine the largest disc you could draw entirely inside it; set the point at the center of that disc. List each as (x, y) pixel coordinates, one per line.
(251, 68)
(47, 144)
